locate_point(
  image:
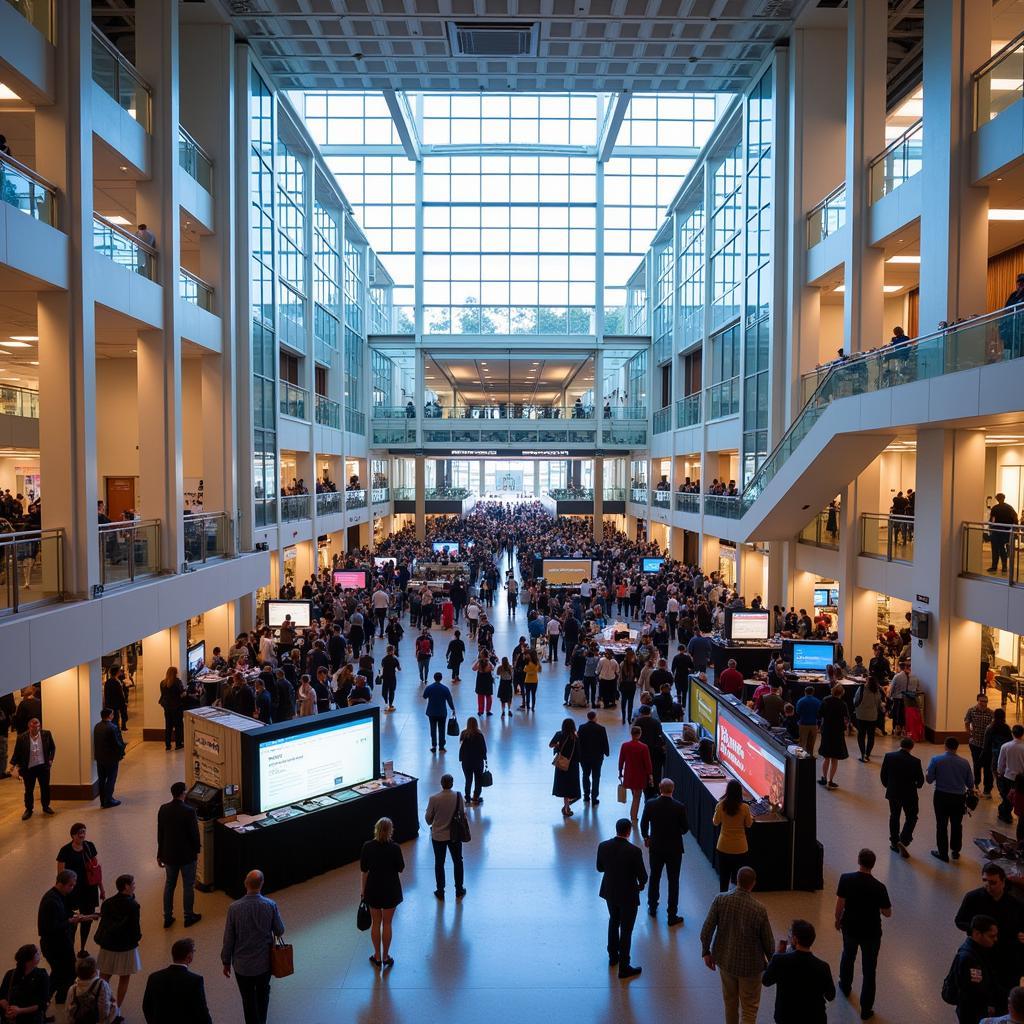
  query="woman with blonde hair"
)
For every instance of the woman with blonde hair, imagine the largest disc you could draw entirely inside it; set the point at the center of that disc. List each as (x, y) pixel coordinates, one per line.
(305, 699)
(381, 862)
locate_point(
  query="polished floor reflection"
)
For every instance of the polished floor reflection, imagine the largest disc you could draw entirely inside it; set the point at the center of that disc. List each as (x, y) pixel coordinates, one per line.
(527, 943)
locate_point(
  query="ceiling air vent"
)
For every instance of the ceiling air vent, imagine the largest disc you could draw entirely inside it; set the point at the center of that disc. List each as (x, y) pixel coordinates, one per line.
(775, 9)
(493, 38)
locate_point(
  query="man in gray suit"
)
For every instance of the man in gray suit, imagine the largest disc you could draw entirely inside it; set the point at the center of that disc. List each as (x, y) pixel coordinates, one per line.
(441, 808)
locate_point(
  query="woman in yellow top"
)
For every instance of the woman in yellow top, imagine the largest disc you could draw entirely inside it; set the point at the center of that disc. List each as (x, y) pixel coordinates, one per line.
(531, 676)
(734, 817)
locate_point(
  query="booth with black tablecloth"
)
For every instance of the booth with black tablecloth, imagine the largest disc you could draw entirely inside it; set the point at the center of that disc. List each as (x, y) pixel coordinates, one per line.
(784, 848)
(296, 798)
(749, 657)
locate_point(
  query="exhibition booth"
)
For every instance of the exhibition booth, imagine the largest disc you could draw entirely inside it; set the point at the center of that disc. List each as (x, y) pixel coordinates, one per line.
(295, 799)
(777, 777)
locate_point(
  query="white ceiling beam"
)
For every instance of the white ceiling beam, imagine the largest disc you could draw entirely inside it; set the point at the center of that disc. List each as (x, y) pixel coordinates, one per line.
(611, 126)
(402, 116)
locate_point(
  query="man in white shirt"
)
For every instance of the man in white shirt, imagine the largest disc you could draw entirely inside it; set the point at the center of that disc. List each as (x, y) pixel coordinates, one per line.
(381, 603)
(553, 631)
(608, 679)
(473, 616)
(1009, 765)
(34, 752)
(586, 590)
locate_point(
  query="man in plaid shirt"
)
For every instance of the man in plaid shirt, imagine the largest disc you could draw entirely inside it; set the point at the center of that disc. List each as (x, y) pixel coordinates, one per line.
(977, 719)
(737, 940)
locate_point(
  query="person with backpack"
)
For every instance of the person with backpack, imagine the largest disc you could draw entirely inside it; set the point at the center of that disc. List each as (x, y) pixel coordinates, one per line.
(424, 651)
(90, 1000)
(972, 984)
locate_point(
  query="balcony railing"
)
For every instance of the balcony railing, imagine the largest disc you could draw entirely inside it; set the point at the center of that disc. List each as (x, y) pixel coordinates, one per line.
(446, 493)
(827, 217)
(728, 506)
(994, 551)
(294, 401)
(355, 421)
(994, 338)
(571, 493)
(999, 82)
(207, 535)
(394, 412)
(129, 550)
(193, 160)
(396, 432)
(897, 163)
(38, 13)
(355, 499)
(688, 411)
(638, 495)
(687, 501)
(27, 191)
(614, 494)
(112, 72)
(822, 531)
(18, 402)
(723, 399)
(328, 412)
(31, 568)
(504, 320)
(393, 320)
(405, 494)
(380, 495)
(661, 497)
(122, 247)
(662, 420)
(195, 290)
(507, 411)
(295, 506)
(890, 538)
(329, 503)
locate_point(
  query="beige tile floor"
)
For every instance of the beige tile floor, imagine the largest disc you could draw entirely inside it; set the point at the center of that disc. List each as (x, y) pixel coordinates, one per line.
(528, 941)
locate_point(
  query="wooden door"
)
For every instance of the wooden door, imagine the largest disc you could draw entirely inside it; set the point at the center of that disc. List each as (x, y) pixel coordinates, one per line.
(120, 495)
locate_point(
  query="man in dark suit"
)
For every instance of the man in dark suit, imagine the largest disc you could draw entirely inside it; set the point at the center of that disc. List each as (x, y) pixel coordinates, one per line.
(622, 865)
(592, 738)
(176, 994)
(177, 849)
(29, 707)
(651, 733)
(663, 825)
(108, 749)
(804, 982)
(34, 751)
(902, 777)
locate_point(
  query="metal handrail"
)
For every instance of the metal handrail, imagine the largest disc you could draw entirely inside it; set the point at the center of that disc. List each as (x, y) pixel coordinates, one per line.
(121, 59)
(188, 137)
(107, 531)
(21, 168)
(834, 194)
(123, 65)
(28, 397)
(203, 288)
(999, 55)
(117, 229)
(11, 569)
(896, 143)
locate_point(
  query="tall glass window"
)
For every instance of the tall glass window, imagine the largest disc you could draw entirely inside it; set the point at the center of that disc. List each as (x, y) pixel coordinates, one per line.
(726, 241)
(326, 282)
(691, 274)
(664, 288)
(724, 393)
(355, 336)
(291, 256)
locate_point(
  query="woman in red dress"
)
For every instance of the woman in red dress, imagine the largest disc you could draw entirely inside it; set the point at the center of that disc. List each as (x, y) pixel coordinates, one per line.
(635, 769)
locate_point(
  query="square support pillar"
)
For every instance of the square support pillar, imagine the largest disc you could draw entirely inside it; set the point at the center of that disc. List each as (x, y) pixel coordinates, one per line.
(598, 499)
(160, 651)
(71, 707)
(420, 486)
(857, 612)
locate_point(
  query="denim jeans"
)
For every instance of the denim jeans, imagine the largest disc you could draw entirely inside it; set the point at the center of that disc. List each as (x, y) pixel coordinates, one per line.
(188, 881)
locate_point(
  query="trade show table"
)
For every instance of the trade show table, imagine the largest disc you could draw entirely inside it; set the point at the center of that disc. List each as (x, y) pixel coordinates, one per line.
(312, 842)
(749, 657)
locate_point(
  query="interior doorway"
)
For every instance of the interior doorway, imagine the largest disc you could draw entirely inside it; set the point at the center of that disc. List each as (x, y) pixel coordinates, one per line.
(120, 496)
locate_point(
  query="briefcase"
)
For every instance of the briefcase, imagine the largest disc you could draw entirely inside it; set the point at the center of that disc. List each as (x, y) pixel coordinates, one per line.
(621, 794)
(282, 962)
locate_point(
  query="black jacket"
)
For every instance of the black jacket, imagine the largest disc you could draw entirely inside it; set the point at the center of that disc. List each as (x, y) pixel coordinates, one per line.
(593, 743)
(8, 710)
(1008, 913)
(23, 749)
(175, 995)
(901, 775)
(107, 743)
(977, 983)
(119, 929)
(29, 708)
(652, 734)
(177, 833)
(113, 693)
(805, 985)
(624, 875)
(664, 821)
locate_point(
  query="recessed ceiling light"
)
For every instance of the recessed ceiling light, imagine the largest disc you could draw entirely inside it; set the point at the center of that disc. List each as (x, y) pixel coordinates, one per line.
(33, 362)
(14, 344)
(24, 337)
(1006, 214)
(120, 221)
(903, 259)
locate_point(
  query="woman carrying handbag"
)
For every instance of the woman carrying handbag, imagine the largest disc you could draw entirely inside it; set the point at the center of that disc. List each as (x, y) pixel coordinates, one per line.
(381, 863)
(567, 766)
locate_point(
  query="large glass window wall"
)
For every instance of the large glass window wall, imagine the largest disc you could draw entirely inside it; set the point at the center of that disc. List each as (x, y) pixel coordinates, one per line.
(692, 253)
(726, 239)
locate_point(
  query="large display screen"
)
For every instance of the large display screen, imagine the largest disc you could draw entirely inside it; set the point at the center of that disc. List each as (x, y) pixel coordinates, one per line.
(748, 626)
(350, 579)
(300, 612)
(450, 546)
(308, 764)
(196, 657)
(380, 561)
(703, 709)
(826, 597)
(652, 564)
(812, 657)
(760, 770)
(567, 570)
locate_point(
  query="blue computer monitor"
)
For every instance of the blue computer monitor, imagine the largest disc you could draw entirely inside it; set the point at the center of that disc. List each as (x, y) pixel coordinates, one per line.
(653, 565)
(812, 657)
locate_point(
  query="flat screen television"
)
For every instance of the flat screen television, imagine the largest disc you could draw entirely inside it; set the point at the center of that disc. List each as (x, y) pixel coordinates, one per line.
(826, 597)
(652, 564)
(350, 579)
(746, 625)
(306, 760)
(760, 769)
(566, 571)
(300, 611)
(451, 546)
(703, 709)
(196, 658)
(812, 657)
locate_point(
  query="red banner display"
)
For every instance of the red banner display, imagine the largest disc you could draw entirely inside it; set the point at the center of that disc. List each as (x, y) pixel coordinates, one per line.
(350, 579)
(761, 771)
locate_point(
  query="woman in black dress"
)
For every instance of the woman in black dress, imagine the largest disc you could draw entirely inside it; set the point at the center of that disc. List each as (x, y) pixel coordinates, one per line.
(84, 898)
(381, 862)
(472, 756)
(484, 684)
(25, 988)
(567, 780)
(833, 720)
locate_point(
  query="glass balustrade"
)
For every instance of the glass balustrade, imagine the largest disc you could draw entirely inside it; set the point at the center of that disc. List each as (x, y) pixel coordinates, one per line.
(503, 411)
(890, 538)
(26, 191)
(405, 494)
(18, 402)
(614, 494)
(723, 399)
(394, 412)
(112, 72)
(446, 493)
(329, 503)
(822, 531)
(688, 411)
(355, 499)
(195, 290)
(129, 550)
(295, 506)
(380, 495)
(638, 495)
(727, 506)
(662, 420)
(355, 421)
(124, 249)
(328, 412)
(294, 401)
(572, 493)
(897, 163)
(687, 501)
(491, 320)
(999, 83)
(827, 217)
(31, 568)
(993, 551)
(207, 535)
(193, 160)
(38, 13)
(661, 497)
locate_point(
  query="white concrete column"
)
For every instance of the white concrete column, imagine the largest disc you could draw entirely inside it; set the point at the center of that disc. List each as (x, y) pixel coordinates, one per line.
(71, 707)
(159, 651)
(598, 499)
(420, 476)
(220, 627)
(950, 476)
(857, 614)
(218, 463)
(866, 48)
(954, 215)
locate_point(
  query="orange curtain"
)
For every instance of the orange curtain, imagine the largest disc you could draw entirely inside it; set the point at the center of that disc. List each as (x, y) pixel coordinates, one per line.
(1002, 275)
